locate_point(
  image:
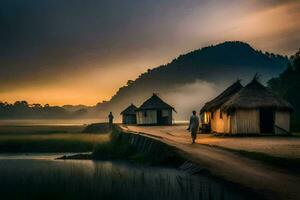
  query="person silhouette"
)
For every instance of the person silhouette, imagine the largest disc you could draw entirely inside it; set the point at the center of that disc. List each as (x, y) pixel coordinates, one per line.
(194, 126)
(110, 119)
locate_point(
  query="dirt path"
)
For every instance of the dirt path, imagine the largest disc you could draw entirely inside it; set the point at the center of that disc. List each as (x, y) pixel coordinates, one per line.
(270, 182)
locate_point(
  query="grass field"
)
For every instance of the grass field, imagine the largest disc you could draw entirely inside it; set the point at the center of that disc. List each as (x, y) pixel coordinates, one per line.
(21, 139)
(40, 129)
(76, 180)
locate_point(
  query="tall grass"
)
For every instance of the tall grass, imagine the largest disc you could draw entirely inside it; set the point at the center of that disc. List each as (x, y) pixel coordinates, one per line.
(104, 180)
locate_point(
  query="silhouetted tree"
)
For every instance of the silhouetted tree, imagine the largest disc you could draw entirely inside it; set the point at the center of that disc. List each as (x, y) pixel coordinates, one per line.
(22, 110)
(129, 82)
(287, 85)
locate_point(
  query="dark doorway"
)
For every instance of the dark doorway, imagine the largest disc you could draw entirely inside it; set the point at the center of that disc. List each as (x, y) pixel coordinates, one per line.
(159, 117)
(266, 116)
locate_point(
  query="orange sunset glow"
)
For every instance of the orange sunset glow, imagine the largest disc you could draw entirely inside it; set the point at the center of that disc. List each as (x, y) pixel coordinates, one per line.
(94, 63)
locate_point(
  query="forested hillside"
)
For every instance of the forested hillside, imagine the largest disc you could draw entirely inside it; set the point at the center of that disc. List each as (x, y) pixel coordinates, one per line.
(287, 85)
(205, 71)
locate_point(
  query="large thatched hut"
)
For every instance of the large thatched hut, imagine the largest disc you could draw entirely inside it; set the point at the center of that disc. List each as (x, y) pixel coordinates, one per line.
(129, 115)
(154, 111)
(210, 114)
(255, 109)
(251, 110)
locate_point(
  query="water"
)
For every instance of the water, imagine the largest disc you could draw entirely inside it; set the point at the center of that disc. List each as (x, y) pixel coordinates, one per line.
(40, 176)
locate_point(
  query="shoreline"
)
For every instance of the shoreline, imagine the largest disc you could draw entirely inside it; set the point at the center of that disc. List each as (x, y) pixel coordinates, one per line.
(242, 171)
(158, 154)
(229, 166)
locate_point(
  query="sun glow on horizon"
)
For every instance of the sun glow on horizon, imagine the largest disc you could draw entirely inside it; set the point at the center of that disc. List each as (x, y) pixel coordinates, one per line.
(96, 73)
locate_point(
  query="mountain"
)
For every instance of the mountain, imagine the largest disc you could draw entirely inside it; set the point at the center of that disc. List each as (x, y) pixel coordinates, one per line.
(186, 83)
(204, 72)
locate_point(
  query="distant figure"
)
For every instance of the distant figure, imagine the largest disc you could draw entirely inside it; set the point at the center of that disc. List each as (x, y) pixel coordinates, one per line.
(194, 126)
(110, 119)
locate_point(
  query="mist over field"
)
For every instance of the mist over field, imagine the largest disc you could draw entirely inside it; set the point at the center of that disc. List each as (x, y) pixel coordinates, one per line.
(190, 97)
(184, 98)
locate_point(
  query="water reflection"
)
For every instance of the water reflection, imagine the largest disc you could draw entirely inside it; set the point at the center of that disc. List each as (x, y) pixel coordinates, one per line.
(52, 179)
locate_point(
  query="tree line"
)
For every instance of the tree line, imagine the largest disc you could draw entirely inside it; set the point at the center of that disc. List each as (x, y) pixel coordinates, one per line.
(287, 85)
(22, 109)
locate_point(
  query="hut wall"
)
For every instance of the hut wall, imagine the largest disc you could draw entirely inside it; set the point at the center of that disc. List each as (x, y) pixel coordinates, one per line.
(245, 121)
(167, 115)
(226, 119)
(205, 117)
(129, 119)
(282, 119)
(146, 117)
(217, 123)
(220, 123)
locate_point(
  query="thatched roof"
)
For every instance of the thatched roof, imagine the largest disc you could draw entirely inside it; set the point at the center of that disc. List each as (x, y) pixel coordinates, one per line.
(130, 110)
(222, 98)
(255, 95)
(153, 103)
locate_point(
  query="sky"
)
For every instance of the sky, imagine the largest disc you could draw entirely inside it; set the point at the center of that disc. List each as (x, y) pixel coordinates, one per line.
(81, 51)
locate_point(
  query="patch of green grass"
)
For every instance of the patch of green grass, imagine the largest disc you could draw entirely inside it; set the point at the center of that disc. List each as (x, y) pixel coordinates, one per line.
(48, 139)
(118, 147)
(113, 149)
(97, 128)
(39, 129)
(46, 143)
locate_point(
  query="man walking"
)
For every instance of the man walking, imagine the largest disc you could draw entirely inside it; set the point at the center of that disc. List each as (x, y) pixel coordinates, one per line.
(194, 126)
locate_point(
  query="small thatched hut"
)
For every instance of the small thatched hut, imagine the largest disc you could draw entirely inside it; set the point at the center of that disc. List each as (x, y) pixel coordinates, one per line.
(211, 117)
(251, 109)
(129, 115)
(154, 111)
